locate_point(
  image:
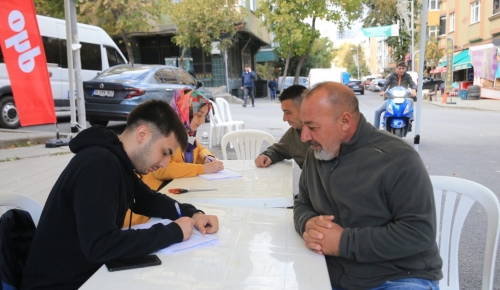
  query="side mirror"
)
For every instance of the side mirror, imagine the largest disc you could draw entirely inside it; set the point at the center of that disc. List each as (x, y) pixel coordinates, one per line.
(199, 84)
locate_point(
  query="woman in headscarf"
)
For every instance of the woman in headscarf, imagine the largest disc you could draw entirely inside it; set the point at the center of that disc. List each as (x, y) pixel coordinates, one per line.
(192, 108)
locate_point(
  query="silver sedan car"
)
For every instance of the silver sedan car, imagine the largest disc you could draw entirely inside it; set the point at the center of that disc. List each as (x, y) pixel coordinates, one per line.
(114, 93)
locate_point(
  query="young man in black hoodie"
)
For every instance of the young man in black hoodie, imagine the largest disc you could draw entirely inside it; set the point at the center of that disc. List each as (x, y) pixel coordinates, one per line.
(80, 226)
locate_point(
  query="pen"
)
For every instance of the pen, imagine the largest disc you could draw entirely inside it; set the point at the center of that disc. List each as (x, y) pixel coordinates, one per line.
(209, 159)
(178, 209)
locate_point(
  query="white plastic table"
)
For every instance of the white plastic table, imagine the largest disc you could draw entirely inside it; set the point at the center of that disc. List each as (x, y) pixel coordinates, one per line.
(265, 187)
(257, 248)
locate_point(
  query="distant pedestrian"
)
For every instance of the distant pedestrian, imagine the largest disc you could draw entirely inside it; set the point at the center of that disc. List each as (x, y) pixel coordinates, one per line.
(272, 88)
(247, 85)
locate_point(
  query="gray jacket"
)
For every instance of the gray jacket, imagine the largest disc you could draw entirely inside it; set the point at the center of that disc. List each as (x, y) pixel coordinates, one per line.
(289, 146)
(380, 192)
(393, 80)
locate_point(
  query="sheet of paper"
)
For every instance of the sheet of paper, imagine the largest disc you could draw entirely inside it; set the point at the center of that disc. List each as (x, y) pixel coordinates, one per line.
(223, 174)
(195, 240)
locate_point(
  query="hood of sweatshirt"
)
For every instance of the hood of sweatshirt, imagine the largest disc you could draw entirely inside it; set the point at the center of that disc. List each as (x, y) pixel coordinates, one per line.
(100, 136)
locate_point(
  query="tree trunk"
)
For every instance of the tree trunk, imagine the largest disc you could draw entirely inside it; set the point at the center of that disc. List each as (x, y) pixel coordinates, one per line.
(181, 58)
(303, 57)
(129, 47)
(289, 55)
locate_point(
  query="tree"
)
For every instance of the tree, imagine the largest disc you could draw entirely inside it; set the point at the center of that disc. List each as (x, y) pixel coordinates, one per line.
(385, 12)
(121, 17)
(280, 17)
(52, 8)
(200, 22)
(265, 70)
(345, 57)
(340, 12)
(285, 18)
(432, 52)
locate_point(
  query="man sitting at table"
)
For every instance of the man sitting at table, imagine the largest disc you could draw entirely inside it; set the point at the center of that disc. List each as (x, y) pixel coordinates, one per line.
(290, 145)
(365, 199)
(81, 224)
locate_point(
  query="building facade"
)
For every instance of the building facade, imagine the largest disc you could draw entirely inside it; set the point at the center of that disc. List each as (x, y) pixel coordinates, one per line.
(219, 68)
(474, 27)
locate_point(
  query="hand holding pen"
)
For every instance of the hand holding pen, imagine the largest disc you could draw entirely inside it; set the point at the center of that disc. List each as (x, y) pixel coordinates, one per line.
(186, 223)
(212, 165)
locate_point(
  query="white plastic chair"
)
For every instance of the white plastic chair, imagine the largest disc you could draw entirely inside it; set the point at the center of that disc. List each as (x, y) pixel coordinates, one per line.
(446, 192)
(17, 200)
(225, 113)
(217, 125)
(247, 143)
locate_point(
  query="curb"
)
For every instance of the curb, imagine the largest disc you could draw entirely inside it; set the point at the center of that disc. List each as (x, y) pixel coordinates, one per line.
(17, 138)
(454, 106)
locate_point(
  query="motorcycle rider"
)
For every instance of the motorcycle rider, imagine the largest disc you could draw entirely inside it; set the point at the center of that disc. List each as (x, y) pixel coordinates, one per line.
(398, 78)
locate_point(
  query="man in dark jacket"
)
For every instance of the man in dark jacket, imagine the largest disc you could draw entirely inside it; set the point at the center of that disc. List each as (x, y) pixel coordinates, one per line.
(290, 146)
(272, 88)
(247, 85)
(365, 199)
(81, 224)
(398, 78)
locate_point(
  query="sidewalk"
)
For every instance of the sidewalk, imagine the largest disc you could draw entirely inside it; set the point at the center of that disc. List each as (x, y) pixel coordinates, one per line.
(481, 104)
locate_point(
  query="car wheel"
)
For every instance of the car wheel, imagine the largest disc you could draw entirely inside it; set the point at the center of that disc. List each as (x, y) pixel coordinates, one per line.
(9, 117)
(98, 122)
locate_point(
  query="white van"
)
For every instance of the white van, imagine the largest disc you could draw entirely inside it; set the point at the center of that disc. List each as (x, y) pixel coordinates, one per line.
(319, 75)
(98, 52)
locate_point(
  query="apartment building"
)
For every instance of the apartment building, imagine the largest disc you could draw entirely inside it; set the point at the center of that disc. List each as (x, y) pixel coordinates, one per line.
(474, 27)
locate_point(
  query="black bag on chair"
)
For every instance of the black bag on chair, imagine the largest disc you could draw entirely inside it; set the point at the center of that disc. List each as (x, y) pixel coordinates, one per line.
(17, 230)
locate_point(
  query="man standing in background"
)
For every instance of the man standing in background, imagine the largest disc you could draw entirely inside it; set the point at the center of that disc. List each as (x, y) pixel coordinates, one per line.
(272, 88)
(247, 85)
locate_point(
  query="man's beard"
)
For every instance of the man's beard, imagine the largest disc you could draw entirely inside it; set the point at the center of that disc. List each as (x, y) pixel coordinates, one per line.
(324, 155)
(140, 158)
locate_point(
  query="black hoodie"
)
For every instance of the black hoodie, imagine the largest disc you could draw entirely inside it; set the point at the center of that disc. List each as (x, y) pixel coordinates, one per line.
(80, 226)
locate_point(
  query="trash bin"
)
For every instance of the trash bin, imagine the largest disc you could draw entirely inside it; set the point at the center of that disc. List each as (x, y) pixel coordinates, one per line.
(462, 94)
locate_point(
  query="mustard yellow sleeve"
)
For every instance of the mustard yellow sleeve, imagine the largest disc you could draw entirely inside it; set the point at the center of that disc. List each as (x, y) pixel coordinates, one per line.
(177, 168)
(201, 152)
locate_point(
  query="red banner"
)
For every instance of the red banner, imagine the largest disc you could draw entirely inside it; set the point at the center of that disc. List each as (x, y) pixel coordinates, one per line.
(24, 56)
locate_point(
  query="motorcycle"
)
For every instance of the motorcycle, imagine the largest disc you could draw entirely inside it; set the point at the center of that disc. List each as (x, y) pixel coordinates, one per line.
(399, 108)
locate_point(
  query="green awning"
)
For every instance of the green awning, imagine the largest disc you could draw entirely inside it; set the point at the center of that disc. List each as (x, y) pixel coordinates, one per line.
(462, 60)
(266, 55)
(458, 57)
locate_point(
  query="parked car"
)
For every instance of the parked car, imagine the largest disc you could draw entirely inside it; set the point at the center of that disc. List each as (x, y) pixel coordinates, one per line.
(375, 85)
(289, 81)
(431, 84)
(114, 93)
(357, 86)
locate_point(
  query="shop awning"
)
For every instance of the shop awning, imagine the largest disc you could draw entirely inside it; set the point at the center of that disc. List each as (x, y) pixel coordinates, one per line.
(438, 69)
(462, 60)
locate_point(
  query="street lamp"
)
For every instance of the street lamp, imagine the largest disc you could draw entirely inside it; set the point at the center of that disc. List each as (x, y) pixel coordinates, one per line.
(357, 59)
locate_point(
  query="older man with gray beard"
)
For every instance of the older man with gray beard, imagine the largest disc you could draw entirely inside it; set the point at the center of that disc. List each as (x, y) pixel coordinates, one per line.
(365, 199)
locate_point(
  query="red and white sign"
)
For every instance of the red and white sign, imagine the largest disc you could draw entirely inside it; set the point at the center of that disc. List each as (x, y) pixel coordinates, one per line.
(24, 56)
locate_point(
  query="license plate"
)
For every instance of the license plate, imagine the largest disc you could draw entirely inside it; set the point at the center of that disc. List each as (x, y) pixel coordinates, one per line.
(104, 93)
